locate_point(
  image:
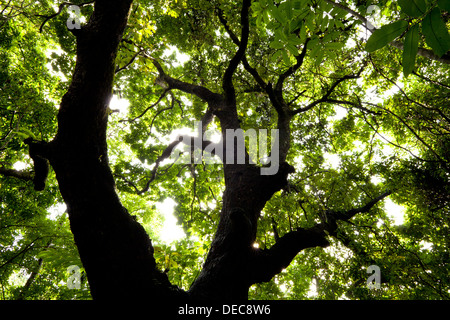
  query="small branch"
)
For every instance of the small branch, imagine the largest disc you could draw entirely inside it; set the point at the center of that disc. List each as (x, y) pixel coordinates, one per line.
(61, 6)
(32, 277)
(166, 154)
(118, 69)
(207, 118)
(431, 80)
(148, 108)
(347, 215)
(162, 110)
(24, 250)
(325, 97)
(22, 175)
(356, 105)
(293, 69)
(392, 143)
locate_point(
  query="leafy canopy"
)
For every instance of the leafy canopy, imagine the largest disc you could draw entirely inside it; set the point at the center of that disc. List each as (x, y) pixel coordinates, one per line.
(369, 117)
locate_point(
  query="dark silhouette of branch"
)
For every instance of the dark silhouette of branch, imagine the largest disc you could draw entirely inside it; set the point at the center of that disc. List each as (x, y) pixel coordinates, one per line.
(38, 153)
(293, 69)
(227, 83)
(32, 277)
(148, 108)
(236, 41)
(118, 69)
(170, 83)
(60, 8)
(325, 97)
(269, 262)
(22, 175)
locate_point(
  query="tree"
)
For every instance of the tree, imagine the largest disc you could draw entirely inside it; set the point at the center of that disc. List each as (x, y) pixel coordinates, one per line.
(288, 65)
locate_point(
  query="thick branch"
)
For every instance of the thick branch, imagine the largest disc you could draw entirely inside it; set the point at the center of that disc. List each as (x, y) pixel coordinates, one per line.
(23, 175)
(293, 69)
(268, 263)
(114, 248)
(236, 41)
(199, 91)
(38, 151)
(227, 84)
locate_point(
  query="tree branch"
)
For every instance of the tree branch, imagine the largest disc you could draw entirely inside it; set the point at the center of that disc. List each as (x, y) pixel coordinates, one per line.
(269, 262)
(227, 82)
(61, 6)
(199, 91)
(293, 69)
(325, 97)
(22, 175)
(236, 41)
(206, 119)
(148, 108)
(38, 151)
(118, 69)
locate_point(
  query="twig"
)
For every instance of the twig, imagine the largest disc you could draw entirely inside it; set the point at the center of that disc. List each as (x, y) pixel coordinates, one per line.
(61, 6)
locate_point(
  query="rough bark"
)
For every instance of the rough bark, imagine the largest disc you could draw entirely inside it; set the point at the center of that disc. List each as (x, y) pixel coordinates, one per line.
(116, 252)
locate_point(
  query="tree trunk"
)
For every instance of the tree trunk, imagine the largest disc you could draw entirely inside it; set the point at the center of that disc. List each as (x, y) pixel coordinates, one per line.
(227, 272)
(115, 250)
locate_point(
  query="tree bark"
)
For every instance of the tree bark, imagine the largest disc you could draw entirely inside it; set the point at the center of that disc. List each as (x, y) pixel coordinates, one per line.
(115, 250)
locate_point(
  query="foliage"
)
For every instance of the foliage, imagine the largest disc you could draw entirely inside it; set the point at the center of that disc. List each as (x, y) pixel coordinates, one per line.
(380, 130)
(418, 13)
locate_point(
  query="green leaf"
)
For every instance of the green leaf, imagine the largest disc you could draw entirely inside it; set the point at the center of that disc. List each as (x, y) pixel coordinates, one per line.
(286, 59)
(334, 45)
(277, 14)
(286, 9)
(385, 34)
(413, 8)
(319, 57)
(276, 44)
(436, 33)
(410, 50)
(324, 24)
(444, 5)
(294, 40)
(275, 56)
(302, 34)
(295, 24)
(292, 49)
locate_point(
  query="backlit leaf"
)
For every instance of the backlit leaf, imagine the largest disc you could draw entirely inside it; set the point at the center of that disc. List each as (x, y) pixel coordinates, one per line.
(385, 34)
(436, 33)
(413, 8)
(410, 50)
